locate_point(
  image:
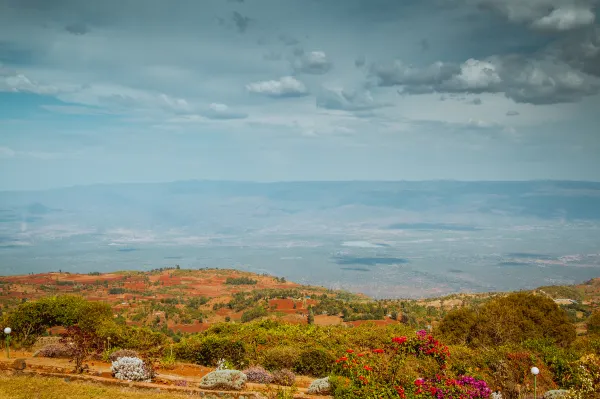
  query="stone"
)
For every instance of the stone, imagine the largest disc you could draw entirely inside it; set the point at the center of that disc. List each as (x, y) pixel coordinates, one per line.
(19, 364)
(320, 387)
(229, 380)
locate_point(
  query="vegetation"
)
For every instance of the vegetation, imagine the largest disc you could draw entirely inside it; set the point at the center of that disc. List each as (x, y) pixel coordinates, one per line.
(240, 281)
(493, 338)
(509, 320)
(21, 387)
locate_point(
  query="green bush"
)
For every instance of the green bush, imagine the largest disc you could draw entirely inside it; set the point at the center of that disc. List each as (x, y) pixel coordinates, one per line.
(281, 357)
(208, 350)
(314, 362)
(254, 313)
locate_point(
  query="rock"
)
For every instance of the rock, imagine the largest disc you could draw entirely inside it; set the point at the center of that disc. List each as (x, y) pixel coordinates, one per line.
(36, 353)
(556, 394)
(320, 387)
(229, 380)
(19, 364)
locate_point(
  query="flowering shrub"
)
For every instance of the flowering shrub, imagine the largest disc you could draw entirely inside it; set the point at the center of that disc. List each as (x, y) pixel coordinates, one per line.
(55, 350)
(284, 377)
(587, 379)
(259, 375)
(407, 368)
(131, 369)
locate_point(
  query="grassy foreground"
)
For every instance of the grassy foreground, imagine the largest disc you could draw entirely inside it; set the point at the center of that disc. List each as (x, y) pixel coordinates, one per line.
(25, 387)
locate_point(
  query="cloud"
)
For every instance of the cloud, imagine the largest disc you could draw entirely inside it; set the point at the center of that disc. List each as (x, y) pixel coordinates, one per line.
(581, 50)
(240, 21)
(541, 80)
(12, 81)
(314, 62)
(288, 40)
(512, 113)
(6, 152)
(222, 112)
(287, 86)
(563, 19)
(340, 99)
(360, 61)
(77, 29)
(476, 101)
(553, 15)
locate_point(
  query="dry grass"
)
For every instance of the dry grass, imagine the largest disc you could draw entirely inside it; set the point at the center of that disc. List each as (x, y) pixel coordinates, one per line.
(25, 387)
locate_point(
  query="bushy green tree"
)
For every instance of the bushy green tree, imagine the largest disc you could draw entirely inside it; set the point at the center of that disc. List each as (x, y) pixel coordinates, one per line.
(510, 319)
(593, 323)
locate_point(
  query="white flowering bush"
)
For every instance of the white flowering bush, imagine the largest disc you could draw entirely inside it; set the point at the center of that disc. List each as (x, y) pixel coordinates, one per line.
(320, 387)
(131, 369)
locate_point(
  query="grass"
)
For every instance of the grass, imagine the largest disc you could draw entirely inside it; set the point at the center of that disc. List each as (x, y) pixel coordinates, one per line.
(25, 387)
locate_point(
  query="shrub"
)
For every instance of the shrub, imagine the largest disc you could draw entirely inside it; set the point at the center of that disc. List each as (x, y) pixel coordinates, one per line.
(131, 369)
(510, 320)
(119, 353)
(240, 281)
(403, 368)
(284, 377)
(211, 349)
(55, 351)
(314, 362)
(224, 379)
(320, 387)
(280, 357)
(258, 375)
(253, 313)
(593, 323)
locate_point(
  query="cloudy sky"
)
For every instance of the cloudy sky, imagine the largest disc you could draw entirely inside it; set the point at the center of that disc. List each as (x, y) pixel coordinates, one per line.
(148, 90)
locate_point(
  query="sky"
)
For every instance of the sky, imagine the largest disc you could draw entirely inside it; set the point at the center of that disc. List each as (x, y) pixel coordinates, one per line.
(283, 90)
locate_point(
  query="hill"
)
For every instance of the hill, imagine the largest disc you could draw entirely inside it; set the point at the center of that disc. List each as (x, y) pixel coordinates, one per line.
(184, 301)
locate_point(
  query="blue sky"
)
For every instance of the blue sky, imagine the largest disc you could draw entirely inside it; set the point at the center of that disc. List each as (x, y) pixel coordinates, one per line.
(271, 90)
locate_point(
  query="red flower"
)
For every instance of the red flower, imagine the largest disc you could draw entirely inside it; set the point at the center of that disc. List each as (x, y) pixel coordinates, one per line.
(418, 382)
(349, 351)
(399, 340)
(400, 391)
(360, 354)
(342, 359)
(377, 350)
(368, 368)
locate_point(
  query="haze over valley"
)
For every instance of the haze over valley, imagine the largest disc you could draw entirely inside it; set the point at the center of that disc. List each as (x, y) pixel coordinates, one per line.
(386, 239)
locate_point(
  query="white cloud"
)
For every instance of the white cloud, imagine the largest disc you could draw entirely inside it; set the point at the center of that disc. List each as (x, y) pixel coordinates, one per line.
(556, 15)
(12, 81)
(563, 19)
(221, 112)
(314, 62)
(287, 86)
(6, 152)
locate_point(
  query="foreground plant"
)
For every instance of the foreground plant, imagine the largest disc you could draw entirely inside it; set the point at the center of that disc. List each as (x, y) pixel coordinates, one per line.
(407, 368)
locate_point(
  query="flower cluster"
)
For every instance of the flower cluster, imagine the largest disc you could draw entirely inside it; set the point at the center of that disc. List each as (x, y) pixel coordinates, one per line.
(131, 369)
(380, 372)
(259, 375)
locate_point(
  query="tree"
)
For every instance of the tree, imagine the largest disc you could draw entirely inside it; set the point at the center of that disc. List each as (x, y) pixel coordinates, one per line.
(456, 326)
(81, 345)
(509, 319)
(593, 323)
(311, 316)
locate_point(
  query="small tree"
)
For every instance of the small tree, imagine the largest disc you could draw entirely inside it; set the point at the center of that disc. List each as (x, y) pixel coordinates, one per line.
(311, 316)
(81, 344)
